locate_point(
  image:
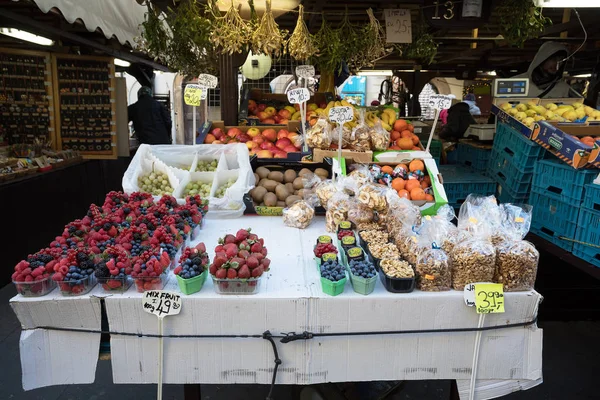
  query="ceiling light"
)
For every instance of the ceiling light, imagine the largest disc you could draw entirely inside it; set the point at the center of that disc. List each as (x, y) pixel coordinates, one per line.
(382, 72)
(122, 63)
(28, 37)
(566, 3)
(582, 76)
(491, 73)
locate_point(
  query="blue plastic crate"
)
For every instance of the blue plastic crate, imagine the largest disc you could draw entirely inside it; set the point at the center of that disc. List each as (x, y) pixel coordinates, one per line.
(554, 219)
(591, 198)
(518, 150)
(461, 181)
(504, 195)
(508, 175)
(561, 180)
(452, 157)
(435, 148)
(474, 157)
(588, 231)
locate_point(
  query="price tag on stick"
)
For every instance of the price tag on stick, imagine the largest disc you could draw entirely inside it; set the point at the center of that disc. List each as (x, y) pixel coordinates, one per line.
(192, 95)
(305, 71)
(162, 304)
(209, 81)
(298, 96)
(341, 115)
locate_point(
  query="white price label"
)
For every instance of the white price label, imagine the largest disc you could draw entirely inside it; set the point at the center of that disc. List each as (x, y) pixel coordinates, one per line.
(305, 71)
(341, 114)
(192, 95)
(161, 303)
(440, 101)
(206, 80)
(298, 96)
(469, 295)
(472, 8)
(398, 26)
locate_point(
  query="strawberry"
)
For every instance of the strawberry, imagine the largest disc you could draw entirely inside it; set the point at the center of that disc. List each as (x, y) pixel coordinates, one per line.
(164, 259)
(252, 262)
(111, 264)
(221, 274)
(264, 251)
(242, 235)
(177, 270)
(256, 247)
(265, 264)
(231, 273)
(219, 261)
(259, 256)
(253, 237)
(231, 250)
(221, 254)
(240, 261)
(186, 229)
(174, 230)
(112, 232)
(113, 283)
(213, 269)
(244, 272)
(256, 272)
(262, 241)
(244, 245)
(243, 254)
(202, 248)
(229, 239)
(58, 277)
(219, 248)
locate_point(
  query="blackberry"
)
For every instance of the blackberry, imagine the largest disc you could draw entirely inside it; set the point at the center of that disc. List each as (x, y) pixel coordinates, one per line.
(196, 261)
(126, 210)
(81, 256)
(97, 228)
(106, 226)
(137, 236)
(45, 258)
(151, 226)
(71, 229)
(79, 232)
(156, 214)
(180, 226)
(34, 264)
(102, 270)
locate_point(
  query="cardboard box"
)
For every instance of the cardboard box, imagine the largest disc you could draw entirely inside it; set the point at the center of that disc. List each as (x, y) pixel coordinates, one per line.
(559, 142)
(354, 156)
(503, 116)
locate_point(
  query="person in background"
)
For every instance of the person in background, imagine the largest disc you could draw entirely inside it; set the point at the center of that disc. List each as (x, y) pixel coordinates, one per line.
(470, 100)
(459, 119)
(151, 120)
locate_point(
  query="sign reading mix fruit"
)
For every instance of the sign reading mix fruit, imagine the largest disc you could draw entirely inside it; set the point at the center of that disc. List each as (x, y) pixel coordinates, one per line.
(298, 96)
(208, 81)
(305, 71)
(193, 95)
(161, 303)
(341, 114)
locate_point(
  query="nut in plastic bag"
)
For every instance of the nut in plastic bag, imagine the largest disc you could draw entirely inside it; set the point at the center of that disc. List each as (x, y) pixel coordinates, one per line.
(360, 138)
(337, 211)
(473, 260)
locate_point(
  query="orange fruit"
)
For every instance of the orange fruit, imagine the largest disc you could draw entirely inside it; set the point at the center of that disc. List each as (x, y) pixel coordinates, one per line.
(416, 165)
(427, 179)
(412, 184)
(386, 169)
(403, 166)
(404, 193)
(416, 148)
(425, 184)
(400, 125)
(417, 194)
(398, 184)
(395, 136)
(415, 139)
(428, 197)
(394, 147)
(406, 134)
(404, 143)
(210, 138)
(411, 128)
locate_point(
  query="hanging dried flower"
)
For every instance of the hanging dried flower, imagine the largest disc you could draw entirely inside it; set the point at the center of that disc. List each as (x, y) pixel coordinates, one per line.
(230, 32)
(268, 38)
(328, 43)
(301, 45)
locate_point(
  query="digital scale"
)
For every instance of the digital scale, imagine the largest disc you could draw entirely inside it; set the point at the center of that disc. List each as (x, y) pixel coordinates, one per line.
(511, 87)
(481, 132)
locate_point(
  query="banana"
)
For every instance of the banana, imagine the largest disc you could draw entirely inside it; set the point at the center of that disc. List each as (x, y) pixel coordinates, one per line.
(385, 118)
(386, 126)
(296, 116)
(391, 114)
(346, 104)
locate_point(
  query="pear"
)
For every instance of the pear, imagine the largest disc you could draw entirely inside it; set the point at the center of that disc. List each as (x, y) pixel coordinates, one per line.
(570, 115)
(561, 111)
(551, 106)
(596, 114)
(528, 121)
(531, 103)
(505, 106)
(540, 110)
(580, 113)
(550, 114)
(589, 111)
(531, 113)
(520, 116)
(577, 105)
(521, 107)
(512, 111)
(539, 118)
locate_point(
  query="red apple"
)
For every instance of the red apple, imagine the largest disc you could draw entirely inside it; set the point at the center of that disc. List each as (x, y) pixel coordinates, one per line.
(284, 114)
(290, 149)
(252, 145)
(258, 139)
(295, 139)
(261, 107)
(279, 154)
(323, 105)
(210, 138)
(283, 121)
(218, 133)
(233, 132)
(253, 132)
(254, 112)
(270, 134)
(262, 115)
(277, 118)
(268, 121)
(267, 146)
(252, 152)
(264, 154)
(283, 133)
(217, 142)
(283, 143)
(243, 138)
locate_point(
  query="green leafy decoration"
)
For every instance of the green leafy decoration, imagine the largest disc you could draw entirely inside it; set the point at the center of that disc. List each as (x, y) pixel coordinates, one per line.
(520, 20)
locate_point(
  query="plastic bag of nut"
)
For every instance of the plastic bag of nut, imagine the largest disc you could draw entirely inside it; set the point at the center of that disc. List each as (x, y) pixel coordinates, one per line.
(346, 136)
(516, 259)
(325, 191)
(337, 211)
(473, 260)
(319, 136)
(359, 213)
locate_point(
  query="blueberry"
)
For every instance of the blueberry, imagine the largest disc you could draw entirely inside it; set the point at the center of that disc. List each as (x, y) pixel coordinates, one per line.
(193, 274)
(68, 276)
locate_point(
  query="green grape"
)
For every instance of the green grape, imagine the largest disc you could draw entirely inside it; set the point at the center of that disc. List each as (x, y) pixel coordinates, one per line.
(223, 188)
(207, 166)
(155, 183)
(198, 187)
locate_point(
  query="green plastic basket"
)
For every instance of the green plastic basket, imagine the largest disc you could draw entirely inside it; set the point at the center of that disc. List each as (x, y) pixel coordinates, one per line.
(192, 285)
(333, 288)
(362, 285)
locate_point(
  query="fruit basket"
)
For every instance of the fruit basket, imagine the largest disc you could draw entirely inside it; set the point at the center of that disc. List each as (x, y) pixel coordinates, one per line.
(192, 285)
(77, 287)
(360, 284)
(333, 276)
(35, 288)
(143, 283)
(115, 284)
(333, 288)
(236, 286)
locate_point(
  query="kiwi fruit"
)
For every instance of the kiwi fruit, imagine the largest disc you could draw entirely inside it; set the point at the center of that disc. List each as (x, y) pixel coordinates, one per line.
(276, 176)
(258, 193)
(298, 184)
(321, 172)
(291, 200)
(290, 188)
(262, 172)
(289, 176)
(281, 192)
(261, 182)
(270, 185)
(304, 171)
(270, 200)
(256, 177)
(281, 204)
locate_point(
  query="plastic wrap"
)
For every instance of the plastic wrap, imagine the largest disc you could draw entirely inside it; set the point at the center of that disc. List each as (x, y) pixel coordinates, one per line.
(337, 210)
(319, 136)
(380, 138)
(373, 196)
(346, 136)
(300, 214)
(516, 259)
(359, 214)
(325, 191)
(360, 139)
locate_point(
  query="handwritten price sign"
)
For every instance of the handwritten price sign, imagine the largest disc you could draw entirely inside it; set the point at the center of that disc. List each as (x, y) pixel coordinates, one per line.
(487, 298)
(398, 27)
(341, 115)
(208, 81)
(440, 101)
(161, 303)
(298, 96)
(192, 95)
(305, 71)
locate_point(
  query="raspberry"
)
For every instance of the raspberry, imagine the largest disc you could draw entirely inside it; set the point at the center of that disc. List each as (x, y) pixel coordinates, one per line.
(37, 272)
(113, 283)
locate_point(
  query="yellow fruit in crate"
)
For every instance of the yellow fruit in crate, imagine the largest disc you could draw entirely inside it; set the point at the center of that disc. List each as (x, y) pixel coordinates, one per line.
(551, 106)
(521, 107)
(570, 115)
(539, 118)
(512, 111)
(528, 121)
(312, 107)
(577, 105)
(589, 111)
(506, 106)
(531, 103)
(531, 113)
(540, 110)
(580, 113)
(520, 116)
(386, 126)
(596, 114)
(562, 110)
(291, 109)
(296, 116)
(549, 114)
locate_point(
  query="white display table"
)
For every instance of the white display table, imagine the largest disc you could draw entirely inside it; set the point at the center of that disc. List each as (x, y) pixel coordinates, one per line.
(290, 300)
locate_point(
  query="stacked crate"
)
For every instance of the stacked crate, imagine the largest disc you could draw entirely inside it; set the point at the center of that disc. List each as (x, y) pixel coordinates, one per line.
(461, 181)
(588, 227)
(511, 164)
(435, 148)
(474, 155)
(556, 196)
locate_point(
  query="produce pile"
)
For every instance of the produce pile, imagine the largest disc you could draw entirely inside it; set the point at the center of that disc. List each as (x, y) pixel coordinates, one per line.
(278, 114)
(264, 143)
(128, 236)
(531, 112)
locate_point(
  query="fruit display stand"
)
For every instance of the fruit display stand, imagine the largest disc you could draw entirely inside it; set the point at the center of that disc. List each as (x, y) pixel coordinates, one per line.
(289, 299)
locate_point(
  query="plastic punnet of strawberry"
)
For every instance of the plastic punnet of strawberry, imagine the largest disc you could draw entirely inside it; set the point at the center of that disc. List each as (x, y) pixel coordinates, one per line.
(240, 256)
